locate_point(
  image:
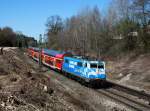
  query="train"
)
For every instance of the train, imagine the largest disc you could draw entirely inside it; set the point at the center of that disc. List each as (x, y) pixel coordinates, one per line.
(83, 68)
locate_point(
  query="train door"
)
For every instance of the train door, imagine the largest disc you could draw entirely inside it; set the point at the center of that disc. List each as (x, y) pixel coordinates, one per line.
(85, 69)
(79, 68)
(58, 63)
(54, 62)
(51, 61)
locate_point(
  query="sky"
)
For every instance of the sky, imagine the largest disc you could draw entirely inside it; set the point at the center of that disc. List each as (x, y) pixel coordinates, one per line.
(30, 16)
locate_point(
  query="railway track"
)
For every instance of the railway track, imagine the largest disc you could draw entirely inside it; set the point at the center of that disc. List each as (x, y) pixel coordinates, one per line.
(139, 94)
(131, 98)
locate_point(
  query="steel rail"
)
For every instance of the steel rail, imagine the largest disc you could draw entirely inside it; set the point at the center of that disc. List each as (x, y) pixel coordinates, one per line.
(133, 104)
(134, 92)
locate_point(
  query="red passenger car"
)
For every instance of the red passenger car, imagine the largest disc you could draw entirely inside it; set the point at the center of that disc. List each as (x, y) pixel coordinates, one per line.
(35, 54)
(53, 59)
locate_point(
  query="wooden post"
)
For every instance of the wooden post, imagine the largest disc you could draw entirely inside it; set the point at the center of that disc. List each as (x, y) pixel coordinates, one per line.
(1, 50)
(40, 57)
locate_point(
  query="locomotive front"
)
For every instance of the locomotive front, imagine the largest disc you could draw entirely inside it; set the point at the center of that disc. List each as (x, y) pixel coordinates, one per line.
(96, 70)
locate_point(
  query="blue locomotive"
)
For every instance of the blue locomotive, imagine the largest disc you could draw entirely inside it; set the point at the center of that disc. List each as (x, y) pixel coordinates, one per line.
(83, 68)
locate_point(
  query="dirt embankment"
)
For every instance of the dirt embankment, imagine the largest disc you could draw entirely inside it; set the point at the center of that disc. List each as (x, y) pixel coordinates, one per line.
(133, 71)
(18, 82)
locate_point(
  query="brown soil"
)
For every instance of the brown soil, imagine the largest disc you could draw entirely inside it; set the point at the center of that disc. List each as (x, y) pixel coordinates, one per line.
(132, 70)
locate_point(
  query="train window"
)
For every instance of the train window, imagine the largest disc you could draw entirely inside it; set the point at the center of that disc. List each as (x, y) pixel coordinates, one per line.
(49, 62)
(58, 61)
(79, 64)
(97, 66)
(101, 66)
(93, 65)
(35, 56)
(66, 61)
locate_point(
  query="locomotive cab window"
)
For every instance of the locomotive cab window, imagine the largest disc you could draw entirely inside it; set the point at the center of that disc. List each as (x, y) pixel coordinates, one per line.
(93, 65)
(101, 66)
(97, 66)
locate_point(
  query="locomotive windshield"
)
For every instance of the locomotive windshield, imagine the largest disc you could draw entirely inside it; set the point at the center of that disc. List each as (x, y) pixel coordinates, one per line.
(94, 65)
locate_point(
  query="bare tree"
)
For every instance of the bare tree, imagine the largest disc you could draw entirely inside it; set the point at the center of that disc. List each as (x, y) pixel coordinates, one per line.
(54, 26)
(142, 11)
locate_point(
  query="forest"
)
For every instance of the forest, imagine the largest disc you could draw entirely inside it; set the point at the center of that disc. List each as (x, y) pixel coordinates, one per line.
(123, 28)
(15, 39)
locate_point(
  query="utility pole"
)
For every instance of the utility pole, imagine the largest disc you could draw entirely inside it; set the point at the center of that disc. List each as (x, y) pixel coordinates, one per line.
(83, 47)
(45, 35)
(40, 51)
